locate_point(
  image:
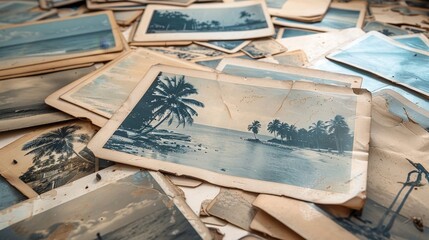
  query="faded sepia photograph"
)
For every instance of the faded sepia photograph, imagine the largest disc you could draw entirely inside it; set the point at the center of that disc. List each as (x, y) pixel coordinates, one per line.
(133, 207)
(58, 39)
(374, 51)
(226, 21)
(224, 126)
(23, 99)
(48, 158)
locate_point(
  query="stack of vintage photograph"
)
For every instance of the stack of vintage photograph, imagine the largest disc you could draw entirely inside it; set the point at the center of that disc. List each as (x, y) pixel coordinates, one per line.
(211, 119)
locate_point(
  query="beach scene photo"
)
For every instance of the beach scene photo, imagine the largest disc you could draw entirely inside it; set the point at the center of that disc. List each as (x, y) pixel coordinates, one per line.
(193, 20)
(134, 207)
(304, 140)
(335, 18)
(51, 158)
(76, 35)
(23, 98)
(374, 51)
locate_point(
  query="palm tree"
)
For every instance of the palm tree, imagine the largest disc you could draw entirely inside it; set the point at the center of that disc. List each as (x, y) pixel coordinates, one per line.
(292, 132)
(273, 127)
(318, 128)
(254, 127)
(302, 136)
(339, 128)
(420, 171)
(170, 102)
(59, 141)
(283, 130)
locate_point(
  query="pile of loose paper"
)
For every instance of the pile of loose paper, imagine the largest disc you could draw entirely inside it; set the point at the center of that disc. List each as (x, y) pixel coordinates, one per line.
(211, 119)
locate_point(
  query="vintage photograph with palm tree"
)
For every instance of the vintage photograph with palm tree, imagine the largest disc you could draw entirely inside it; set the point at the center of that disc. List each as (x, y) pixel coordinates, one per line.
(226, 21)
(255, 129)
(49, 157)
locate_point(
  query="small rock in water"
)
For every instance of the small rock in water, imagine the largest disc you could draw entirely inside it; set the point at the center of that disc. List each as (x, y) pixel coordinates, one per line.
(223, 169)
(98, 177)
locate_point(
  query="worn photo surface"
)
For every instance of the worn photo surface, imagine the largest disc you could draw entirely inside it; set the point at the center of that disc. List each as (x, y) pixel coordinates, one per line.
(264, 47)
(296, 32)
(211, 20)
(83, 34)
(396, 205)
(226, 127)
(9, 194)
(105, 92)
(226, 21)
(48, 158)
(189, 52)
(229, 46)
(374, 51)
(134, 207)
(335, 18)
(246, 68)
(418, 41)
(405, 109)
(19, 11)
(24, 98)
(384, 28)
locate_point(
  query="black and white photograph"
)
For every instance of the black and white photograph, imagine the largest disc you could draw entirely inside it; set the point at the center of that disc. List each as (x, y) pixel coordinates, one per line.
(48, 158)
(374, 51)
(205, 124)
(133, 205)
(217, 21)
(23, 99)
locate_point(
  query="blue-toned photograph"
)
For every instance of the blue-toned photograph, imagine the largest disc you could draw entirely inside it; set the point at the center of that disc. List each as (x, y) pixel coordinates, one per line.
(335, 18)
(260, 72)
(414, 41)
(384, 28)
(296, 32)
(9, 194)
(227, 128)
(135, 207)
(228, 45)
(20, 12)
(378, 54)
(76, 35)
(277, 4)
(192, 20)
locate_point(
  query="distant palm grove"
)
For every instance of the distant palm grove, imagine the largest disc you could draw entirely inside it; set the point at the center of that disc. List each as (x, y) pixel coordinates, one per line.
(178, 21)
(329, 135)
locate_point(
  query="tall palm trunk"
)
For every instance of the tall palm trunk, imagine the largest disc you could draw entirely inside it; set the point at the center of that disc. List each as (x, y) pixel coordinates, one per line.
(157, 125)
(81, 157)
(380, 227)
